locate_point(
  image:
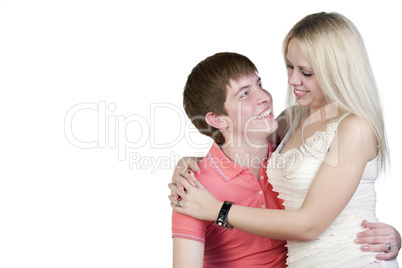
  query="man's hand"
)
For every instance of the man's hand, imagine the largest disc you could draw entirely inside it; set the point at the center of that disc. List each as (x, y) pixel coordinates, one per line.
(377, 237)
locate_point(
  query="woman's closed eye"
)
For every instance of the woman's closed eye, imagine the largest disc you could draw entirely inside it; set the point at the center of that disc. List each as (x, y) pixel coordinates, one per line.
(305, 73)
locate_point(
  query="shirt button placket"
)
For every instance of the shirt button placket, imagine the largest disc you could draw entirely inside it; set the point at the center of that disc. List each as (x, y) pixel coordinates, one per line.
(261, 194)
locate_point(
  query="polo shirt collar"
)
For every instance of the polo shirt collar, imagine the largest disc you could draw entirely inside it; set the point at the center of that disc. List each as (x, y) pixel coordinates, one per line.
(225, 167)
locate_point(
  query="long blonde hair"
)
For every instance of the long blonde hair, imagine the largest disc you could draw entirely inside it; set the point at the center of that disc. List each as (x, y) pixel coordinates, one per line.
(336, 51)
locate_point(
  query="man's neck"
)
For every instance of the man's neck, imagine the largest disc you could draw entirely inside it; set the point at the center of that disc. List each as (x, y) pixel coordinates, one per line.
(247, 154)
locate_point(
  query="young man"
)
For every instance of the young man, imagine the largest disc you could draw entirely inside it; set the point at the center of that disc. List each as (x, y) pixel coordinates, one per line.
(224, 99)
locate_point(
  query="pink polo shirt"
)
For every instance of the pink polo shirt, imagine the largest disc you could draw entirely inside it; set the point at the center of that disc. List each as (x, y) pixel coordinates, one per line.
(232, 248)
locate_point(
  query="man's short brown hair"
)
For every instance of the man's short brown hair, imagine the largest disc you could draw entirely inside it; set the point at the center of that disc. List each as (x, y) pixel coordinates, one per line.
(206, 88)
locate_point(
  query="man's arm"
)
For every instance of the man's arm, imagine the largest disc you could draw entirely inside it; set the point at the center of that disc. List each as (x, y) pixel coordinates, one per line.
(376, 238)
(187, 253)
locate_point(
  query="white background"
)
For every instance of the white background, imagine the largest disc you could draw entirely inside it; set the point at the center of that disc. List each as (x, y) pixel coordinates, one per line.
(126, 62)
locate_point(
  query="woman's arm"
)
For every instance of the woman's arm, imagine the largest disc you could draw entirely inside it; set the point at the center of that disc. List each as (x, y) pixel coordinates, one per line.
(330, 191)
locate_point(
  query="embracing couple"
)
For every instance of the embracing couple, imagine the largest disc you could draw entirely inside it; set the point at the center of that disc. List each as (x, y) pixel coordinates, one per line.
(305, 196)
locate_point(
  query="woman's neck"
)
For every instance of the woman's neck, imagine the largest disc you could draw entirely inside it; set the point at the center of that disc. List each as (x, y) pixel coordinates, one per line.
(323, 113)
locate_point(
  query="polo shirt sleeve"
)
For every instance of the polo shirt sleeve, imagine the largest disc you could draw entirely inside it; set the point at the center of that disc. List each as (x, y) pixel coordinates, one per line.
(188, 228)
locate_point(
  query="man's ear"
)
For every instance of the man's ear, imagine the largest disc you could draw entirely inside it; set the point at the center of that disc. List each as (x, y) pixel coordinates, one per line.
(216, 121)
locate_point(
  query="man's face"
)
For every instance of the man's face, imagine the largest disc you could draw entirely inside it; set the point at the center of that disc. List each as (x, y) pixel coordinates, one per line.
(249, 106)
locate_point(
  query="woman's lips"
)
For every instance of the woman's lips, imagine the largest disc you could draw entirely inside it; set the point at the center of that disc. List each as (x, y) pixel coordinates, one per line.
(300, 93)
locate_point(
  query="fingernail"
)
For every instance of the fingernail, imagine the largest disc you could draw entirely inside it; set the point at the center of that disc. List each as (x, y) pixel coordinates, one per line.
(358, 241)
(192, 182)
(176, 198)
(181, 188)
(365, 248)
(380, 257)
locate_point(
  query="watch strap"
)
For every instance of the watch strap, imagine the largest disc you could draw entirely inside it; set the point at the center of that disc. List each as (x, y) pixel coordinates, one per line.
(223, 215)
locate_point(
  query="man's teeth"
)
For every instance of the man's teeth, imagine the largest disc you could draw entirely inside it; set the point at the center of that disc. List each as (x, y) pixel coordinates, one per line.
(264, 114)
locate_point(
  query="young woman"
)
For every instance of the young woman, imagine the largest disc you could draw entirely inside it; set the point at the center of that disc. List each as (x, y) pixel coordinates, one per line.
(326, 165)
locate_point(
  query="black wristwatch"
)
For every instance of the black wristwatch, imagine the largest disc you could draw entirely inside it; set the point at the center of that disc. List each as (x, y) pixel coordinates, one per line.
(223, 216)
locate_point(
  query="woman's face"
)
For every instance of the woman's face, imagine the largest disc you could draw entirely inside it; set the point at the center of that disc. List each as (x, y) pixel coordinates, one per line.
(302, 78)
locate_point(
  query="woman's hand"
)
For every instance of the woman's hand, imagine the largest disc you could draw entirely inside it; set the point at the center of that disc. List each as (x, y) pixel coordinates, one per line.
(377, 237)
(196, 201)
(185, 169)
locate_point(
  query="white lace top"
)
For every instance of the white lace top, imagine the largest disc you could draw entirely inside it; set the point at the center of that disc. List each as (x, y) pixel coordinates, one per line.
(291, 174)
